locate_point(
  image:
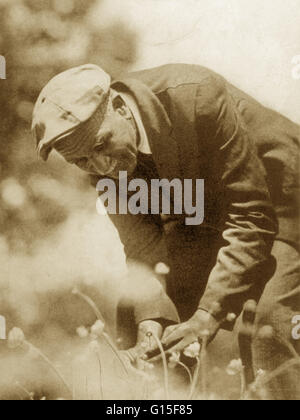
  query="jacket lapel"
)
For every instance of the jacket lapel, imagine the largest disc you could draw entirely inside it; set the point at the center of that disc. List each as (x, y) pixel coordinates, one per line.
(158, 128)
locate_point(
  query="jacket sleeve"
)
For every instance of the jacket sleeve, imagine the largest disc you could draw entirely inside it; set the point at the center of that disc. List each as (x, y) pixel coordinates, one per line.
(249, 223)
(143, 240)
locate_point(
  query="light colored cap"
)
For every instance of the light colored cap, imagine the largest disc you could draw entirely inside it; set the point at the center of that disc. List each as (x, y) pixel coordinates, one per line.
(67, 101)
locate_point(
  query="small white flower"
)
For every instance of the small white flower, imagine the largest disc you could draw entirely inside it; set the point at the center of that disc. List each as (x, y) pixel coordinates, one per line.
(235, 367)
(16, 338)
(261, 373)
(82, 332)
(162, 269)
(174, 360)
(175, 357)
(193, 350)
(231, 317)
(98, 328)
(146, 366)
(266, 333)
(75, 291)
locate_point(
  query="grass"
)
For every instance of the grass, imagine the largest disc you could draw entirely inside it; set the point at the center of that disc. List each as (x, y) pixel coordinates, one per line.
(142, 381)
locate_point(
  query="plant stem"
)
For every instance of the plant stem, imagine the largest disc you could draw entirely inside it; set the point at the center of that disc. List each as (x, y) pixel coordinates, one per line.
(289, 346)
(86, 388)
(195, 379)
(165, 365)
(203, 354)
(273, 375)
(243, 384)
(100, 376)
(51, 365)
(29, 394)
(145, 390)
(91, 303)
(99, 316)
(73, 383)
(187, 370)
(115, 351)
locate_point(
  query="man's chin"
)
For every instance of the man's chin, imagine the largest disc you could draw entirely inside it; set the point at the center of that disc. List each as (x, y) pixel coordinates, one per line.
(120, 171)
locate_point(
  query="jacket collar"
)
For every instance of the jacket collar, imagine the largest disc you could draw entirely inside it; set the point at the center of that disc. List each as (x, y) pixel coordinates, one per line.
(157, 125)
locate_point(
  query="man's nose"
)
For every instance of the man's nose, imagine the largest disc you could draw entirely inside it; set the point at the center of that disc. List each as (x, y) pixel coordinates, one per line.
(101, 163)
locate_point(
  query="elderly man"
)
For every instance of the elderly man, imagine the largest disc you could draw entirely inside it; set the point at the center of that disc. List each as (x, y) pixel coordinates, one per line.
(187, 122)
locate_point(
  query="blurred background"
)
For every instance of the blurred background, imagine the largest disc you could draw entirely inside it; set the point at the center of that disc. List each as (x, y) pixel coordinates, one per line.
(51, 237)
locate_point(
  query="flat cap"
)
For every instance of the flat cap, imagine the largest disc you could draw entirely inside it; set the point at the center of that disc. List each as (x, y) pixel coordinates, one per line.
(67, 101)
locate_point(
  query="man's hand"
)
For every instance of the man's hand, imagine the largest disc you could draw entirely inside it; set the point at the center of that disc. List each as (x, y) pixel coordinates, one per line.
(145, 340)
(201, 326)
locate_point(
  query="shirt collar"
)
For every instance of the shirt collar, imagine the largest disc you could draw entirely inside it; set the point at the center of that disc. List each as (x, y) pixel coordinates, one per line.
(144, 146)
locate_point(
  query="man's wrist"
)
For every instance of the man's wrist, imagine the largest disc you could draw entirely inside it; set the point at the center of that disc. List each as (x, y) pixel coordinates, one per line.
(210, 316)
(215, 309)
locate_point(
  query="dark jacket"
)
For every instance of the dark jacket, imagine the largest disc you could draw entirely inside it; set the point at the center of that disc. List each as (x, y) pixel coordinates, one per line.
(201, 127)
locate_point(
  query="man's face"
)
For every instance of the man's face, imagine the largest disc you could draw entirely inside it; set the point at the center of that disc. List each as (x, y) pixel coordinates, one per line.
(113, 149)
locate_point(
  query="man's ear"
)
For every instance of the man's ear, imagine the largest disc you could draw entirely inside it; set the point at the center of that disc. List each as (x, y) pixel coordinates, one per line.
(120, 106)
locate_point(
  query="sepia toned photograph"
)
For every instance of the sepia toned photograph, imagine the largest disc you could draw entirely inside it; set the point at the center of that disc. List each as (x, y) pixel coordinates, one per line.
(149, 203)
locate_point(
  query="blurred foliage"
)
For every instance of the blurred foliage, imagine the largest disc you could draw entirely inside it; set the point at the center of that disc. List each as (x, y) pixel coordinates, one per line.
(40, 38)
